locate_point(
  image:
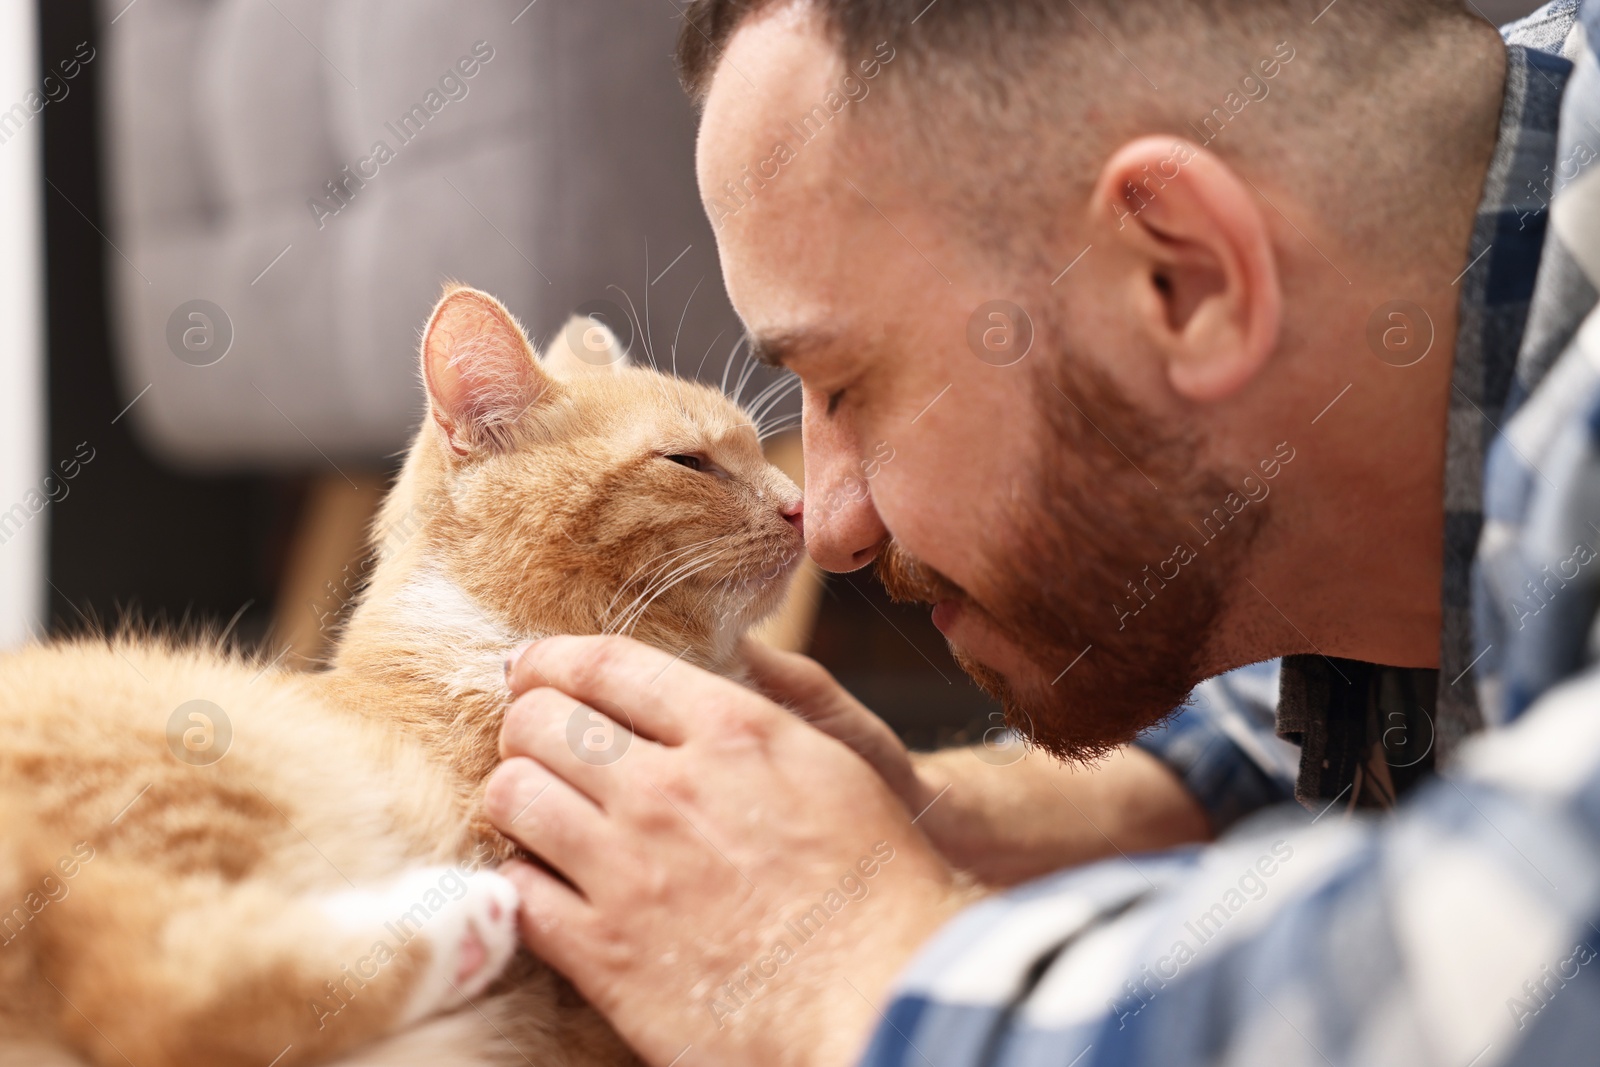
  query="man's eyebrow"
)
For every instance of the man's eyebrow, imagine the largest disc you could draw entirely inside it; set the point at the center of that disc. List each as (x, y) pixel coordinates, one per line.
(779, 350)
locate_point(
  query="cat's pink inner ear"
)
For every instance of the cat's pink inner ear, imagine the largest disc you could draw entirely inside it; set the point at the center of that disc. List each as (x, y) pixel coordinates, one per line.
(480, 369)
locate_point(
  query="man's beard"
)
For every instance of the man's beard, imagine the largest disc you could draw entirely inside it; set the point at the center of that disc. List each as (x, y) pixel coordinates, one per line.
(1081, 576)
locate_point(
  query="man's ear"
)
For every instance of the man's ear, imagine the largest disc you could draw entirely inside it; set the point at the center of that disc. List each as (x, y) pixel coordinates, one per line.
(1209, 290)
(585, 345)
(481, 372)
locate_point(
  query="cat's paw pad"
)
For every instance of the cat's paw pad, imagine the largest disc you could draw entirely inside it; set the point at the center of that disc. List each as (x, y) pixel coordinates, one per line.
(470, 941)
(467, 925)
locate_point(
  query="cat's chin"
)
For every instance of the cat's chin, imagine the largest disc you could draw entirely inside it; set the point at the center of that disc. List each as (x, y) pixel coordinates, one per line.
(764, 593)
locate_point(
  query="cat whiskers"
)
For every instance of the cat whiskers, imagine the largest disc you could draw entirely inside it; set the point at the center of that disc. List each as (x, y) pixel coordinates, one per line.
(788, 422)
(660, 561)
(641, 327)
(707, 355)
(774, 394)
(661, 558)
(746, 575)
(642, 603)
(744, 343)
(750, 367)
(767, 401)
(681, 319)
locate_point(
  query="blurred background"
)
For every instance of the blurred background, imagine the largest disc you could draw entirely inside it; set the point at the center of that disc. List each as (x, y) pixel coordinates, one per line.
(212, 280)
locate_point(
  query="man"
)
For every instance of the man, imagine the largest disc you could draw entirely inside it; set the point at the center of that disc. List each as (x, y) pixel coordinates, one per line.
(1203, 334)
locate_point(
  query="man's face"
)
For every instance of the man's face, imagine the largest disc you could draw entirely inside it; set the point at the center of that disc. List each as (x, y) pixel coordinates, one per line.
(1019, 489)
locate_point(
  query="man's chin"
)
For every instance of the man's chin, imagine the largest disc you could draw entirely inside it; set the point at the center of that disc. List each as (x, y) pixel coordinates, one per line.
(1077, 720)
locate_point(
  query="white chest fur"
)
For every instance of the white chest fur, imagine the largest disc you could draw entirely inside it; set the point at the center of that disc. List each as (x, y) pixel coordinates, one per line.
(468, 643)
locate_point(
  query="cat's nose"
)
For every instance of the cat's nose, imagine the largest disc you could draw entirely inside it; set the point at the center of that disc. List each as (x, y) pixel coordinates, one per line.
(795, 513)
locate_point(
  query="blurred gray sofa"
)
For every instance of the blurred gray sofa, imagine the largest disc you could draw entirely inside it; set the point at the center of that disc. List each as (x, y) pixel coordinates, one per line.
(291, 181)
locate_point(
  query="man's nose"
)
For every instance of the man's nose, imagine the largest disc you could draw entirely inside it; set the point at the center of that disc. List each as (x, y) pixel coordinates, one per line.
(842, 528)
(849, 540)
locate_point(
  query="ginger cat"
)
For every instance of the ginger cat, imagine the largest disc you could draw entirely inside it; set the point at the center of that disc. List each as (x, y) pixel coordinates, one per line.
(323, 892)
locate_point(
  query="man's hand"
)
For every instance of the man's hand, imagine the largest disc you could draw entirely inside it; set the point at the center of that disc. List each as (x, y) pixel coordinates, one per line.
(736, 882)
(804, 686)
(996, 810)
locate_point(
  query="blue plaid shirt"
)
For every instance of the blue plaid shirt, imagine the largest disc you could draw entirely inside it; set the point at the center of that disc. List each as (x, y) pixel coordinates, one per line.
(1461, 931)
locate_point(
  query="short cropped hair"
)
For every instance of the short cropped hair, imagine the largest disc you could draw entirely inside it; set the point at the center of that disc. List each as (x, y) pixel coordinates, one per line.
(1025, 96)
(988, 30)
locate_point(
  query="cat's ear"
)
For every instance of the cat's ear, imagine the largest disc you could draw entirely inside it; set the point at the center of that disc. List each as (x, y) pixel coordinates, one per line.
(481, 372)
(585, 345)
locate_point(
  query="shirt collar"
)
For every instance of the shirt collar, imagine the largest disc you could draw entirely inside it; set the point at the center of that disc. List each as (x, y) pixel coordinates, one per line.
(1496, 292)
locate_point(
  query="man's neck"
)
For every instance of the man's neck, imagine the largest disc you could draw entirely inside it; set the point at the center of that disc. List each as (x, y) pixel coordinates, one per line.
(1351, 563)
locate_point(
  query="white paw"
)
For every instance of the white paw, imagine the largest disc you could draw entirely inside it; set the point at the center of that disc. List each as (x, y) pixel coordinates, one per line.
(470, 941)
(468, 924)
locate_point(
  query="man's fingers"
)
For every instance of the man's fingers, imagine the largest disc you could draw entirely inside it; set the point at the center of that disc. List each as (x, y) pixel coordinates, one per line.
(552, 915)
(521, 675)
(576, 741)
(806, 688)
(628, 681)
(787, 677)
(549, 818)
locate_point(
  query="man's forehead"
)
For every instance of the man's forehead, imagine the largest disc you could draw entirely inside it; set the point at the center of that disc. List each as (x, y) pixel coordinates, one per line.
(800, 241)
(776, 66)
(780, 224)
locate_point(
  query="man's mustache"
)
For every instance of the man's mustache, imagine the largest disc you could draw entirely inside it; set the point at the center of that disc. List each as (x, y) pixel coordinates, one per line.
(908, 580)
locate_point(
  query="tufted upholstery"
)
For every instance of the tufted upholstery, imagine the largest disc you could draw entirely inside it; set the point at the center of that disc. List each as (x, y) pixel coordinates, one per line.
(543, 176)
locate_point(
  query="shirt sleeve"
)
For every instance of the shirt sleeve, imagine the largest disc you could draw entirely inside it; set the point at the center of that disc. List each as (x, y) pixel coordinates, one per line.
(1225, 748)
(1460, 930)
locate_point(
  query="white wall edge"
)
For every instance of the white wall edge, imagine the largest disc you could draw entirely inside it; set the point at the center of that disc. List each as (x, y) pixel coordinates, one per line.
(23, 530)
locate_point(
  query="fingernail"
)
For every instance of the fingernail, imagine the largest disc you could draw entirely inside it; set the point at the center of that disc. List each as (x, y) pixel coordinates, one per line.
(516, 654)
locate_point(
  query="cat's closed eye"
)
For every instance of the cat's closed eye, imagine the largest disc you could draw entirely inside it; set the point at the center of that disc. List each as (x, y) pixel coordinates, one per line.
(697, 462)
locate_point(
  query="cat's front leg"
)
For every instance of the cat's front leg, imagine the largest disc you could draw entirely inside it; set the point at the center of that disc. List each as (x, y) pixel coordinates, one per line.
(470, 937)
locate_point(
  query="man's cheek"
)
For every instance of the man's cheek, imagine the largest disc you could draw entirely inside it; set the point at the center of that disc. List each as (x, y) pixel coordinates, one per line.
(934, 506)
